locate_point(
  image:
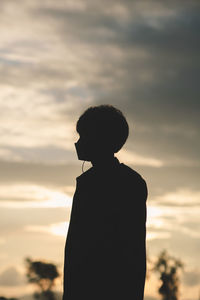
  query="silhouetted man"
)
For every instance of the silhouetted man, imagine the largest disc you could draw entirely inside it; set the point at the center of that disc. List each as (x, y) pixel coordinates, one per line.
(105, 254)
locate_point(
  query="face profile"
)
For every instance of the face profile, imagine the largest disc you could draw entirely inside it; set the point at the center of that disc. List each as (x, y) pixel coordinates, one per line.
(88, 148)
(83, 149)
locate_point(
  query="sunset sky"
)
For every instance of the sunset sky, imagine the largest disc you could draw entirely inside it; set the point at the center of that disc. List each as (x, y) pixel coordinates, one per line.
(57, 58)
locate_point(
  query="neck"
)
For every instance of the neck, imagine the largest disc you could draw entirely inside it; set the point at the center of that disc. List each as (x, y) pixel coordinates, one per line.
(102, 160)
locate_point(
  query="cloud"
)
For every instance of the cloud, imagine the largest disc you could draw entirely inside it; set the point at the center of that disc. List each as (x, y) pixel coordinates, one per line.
(50, 175)
(174, 221)
(11, 277)
(30, 195)
(58, 229)
(192, 277)
(129, 157)
(182, 197)
(33, 123)
(34, 207)
(170, 179)
(2, 241)
(157, 235)
(15, 220)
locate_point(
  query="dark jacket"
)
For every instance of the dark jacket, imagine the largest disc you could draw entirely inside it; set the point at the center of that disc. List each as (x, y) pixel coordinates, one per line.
(105, 254)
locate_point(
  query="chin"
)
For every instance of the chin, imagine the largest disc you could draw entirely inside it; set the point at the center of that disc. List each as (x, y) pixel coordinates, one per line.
(84, 158)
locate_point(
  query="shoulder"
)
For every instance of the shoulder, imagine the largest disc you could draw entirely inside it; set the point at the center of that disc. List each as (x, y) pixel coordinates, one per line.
(133, 181)
(124, 172)
(134, 185)
(131, 174)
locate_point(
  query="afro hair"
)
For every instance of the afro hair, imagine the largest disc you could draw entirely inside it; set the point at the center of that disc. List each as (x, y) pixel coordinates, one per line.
(106, 124)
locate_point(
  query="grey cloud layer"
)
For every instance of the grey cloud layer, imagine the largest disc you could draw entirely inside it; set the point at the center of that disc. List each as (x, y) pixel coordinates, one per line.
(142, 58)
(160, 180)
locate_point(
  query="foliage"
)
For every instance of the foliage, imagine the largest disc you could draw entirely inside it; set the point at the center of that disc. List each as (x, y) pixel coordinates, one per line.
(43, 275)
(168, 266)
(4, 298)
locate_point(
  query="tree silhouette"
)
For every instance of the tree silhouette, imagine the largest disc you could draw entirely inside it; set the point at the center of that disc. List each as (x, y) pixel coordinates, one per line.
(4, 298)
(43, 275)
(168, 267)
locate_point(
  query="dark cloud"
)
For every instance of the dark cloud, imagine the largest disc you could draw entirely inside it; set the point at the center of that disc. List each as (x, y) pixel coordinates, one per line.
(46, 174)
(191, 278)
(160, 180)
(11, 277)
(149, 70)
(169, 179)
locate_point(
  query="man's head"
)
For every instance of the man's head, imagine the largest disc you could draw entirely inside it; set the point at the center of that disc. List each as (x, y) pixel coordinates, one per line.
(103, 131)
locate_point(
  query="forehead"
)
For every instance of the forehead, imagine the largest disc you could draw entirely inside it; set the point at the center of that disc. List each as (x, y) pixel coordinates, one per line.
(90, 136)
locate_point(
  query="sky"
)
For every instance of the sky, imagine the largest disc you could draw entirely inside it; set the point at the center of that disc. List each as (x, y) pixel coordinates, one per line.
(57, 58)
